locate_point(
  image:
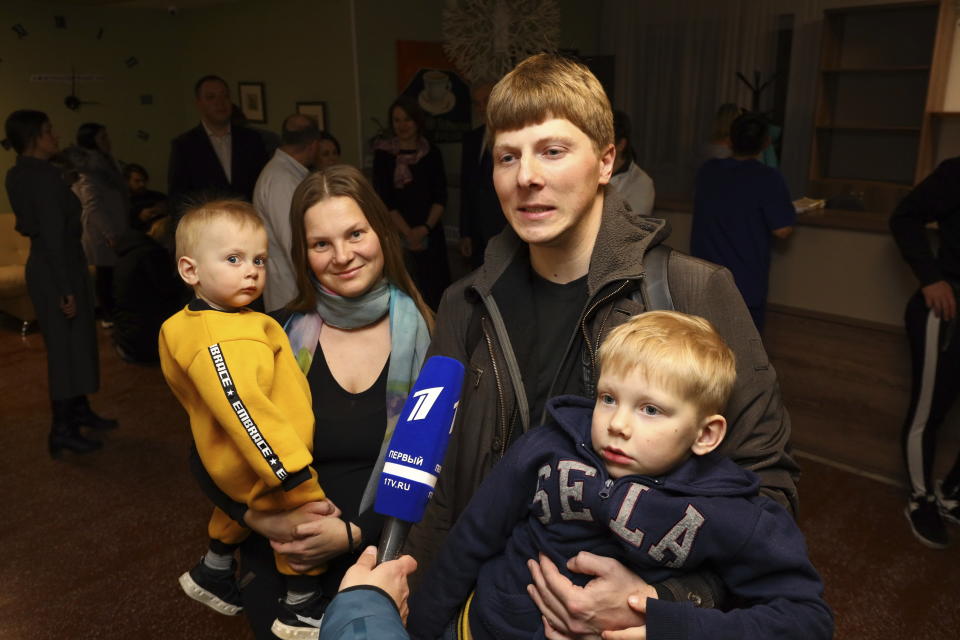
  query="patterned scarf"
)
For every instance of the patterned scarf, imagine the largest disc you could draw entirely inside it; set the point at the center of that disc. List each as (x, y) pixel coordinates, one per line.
(409, 339)
(401, 171)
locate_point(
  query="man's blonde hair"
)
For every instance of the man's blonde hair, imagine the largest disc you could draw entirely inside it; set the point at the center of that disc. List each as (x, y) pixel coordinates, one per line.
(196, 220)
(548, 86)
(682, 353)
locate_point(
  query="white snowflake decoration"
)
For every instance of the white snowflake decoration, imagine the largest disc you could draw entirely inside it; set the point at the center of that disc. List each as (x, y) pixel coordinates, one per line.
(486, 38)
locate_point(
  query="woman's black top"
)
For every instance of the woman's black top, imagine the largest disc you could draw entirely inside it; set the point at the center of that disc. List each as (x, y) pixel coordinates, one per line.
(414, 200)
(347, 437)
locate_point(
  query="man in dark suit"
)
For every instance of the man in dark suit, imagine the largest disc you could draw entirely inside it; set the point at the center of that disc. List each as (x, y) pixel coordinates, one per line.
(214, 159)
(481, 217)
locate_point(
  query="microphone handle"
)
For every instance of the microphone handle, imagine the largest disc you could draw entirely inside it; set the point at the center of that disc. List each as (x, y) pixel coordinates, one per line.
(391, 540)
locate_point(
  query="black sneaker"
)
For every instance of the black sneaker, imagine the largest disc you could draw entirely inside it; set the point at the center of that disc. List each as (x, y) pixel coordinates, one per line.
(949, 504)
(301, 621)
(924, 517)
(216, 589)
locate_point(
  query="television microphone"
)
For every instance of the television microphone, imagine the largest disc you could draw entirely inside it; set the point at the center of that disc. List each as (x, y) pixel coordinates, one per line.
(415, 453)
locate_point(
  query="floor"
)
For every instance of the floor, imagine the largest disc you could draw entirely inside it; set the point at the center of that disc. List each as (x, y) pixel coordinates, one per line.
(93, 545)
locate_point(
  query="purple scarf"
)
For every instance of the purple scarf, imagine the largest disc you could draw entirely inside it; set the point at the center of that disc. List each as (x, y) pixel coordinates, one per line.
(401, 171)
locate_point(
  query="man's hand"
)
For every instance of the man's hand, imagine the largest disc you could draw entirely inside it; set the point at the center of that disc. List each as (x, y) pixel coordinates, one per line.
(637, 602)
(939, 297)
(584, 612)
(466, 246)
(389, 576)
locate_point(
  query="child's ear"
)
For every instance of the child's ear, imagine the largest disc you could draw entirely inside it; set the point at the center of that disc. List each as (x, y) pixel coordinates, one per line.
(710, 435)
(188, 270)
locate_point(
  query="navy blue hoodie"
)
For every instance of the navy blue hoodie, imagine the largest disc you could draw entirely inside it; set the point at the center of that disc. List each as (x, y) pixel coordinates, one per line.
(551, 494)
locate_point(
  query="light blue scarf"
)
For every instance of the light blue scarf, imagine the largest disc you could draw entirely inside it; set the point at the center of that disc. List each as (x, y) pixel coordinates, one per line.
(409, 339)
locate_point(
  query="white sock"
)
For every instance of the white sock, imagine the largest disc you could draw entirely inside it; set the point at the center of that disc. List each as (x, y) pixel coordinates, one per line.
(296, 597)
(218, 562)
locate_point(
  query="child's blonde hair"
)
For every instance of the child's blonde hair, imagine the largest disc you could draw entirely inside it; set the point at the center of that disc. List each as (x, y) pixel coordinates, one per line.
(682, 353)
(548, 86)
(196, 220)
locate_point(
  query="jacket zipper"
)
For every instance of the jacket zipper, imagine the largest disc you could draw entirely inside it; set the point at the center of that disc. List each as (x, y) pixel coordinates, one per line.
(608, 483)
(605, 491)
(583, 323)
(502, 419)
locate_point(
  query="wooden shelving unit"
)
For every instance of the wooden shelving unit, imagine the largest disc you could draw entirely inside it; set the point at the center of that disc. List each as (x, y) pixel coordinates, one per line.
(882, 73)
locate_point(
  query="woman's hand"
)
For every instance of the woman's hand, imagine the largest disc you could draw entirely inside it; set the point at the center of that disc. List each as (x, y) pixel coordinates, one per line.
(317, 542)
(390, 576)
(68, 305)
(282, 525)
(584, 612)
(416, 237)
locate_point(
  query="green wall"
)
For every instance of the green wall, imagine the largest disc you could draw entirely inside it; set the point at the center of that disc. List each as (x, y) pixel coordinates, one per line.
(302, 50)
(146, 34)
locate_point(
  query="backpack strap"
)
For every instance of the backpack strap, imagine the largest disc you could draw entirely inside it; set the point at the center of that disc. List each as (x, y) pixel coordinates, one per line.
(654, 292)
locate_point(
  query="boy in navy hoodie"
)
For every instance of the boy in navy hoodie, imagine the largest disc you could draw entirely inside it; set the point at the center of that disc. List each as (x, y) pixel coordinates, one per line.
(629, 476)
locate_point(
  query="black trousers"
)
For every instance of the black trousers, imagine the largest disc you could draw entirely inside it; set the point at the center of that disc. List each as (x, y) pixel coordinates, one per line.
(935, 359)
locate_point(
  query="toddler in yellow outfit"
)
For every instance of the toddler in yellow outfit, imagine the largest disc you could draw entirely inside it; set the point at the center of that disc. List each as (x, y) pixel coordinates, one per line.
(249, 404)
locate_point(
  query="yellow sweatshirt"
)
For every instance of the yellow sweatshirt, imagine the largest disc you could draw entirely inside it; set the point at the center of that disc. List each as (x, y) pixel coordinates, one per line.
(249, 404)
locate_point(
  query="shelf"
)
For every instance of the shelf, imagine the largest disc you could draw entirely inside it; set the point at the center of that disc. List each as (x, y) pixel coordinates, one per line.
(901, 69)
(945, 114)
(874, 221)
(880, 184)
(867, 128)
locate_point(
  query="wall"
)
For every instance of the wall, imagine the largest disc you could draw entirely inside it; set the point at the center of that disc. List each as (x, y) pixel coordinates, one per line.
(846, 273)
(380, 24)
(55, 51)
(952, 98)
(302, 50)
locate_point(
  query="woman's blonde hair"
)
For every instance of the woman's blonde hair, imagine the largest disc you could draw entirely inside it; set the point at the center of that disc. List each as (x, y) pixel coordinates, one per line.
(681, 353)
(197, 219)
(548, 86)
(345, 181)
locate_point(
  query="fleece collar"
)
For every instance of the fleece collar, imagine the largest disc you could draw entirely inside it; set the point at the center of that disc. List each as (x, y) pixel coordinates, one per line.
(623, 238)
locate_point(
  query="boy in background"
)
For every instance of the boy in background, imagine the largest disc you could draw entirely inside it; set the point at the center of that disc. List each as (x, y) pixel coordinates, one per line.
(739, 206)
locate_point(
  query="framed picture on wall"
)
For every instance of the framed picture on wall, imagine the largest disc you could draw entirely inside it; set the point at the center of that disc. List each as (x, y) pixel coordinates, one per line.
(253, 102)
(316, 109)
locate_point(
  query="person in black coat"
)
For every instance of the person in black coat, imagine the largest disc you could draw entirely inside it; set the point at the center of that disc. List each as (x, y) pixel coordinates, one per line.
(146, 205)
(931, 322)
(58, 282)
(481, 217)
(214, 159)
(408, 175)
(147, 290)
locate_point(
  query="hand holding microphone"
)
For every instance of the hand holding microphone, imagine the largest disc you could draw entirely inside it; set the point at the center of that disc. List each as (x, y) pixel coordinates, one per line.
(415, 453)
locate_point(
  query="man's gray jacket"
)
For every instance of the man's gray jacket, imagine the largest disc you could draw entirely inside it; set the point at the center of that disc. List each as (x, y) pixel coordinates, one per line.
(470, 328)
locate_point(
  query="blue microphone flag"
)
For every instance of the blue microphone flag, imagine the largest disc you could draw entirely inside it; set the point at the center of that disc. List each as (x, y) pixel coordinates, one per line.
(415, 453)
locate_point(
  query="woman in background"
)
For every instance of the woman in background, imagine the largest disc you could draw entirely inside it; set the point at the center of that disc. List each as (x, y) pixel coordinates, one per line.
(328, 151)
(408, 174)
(104, 196)
(57, 279)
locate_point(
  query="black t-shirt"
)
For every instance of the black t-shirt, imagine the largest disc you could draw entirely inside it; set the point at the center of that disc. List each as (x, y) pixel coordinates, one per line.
(556, 314)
